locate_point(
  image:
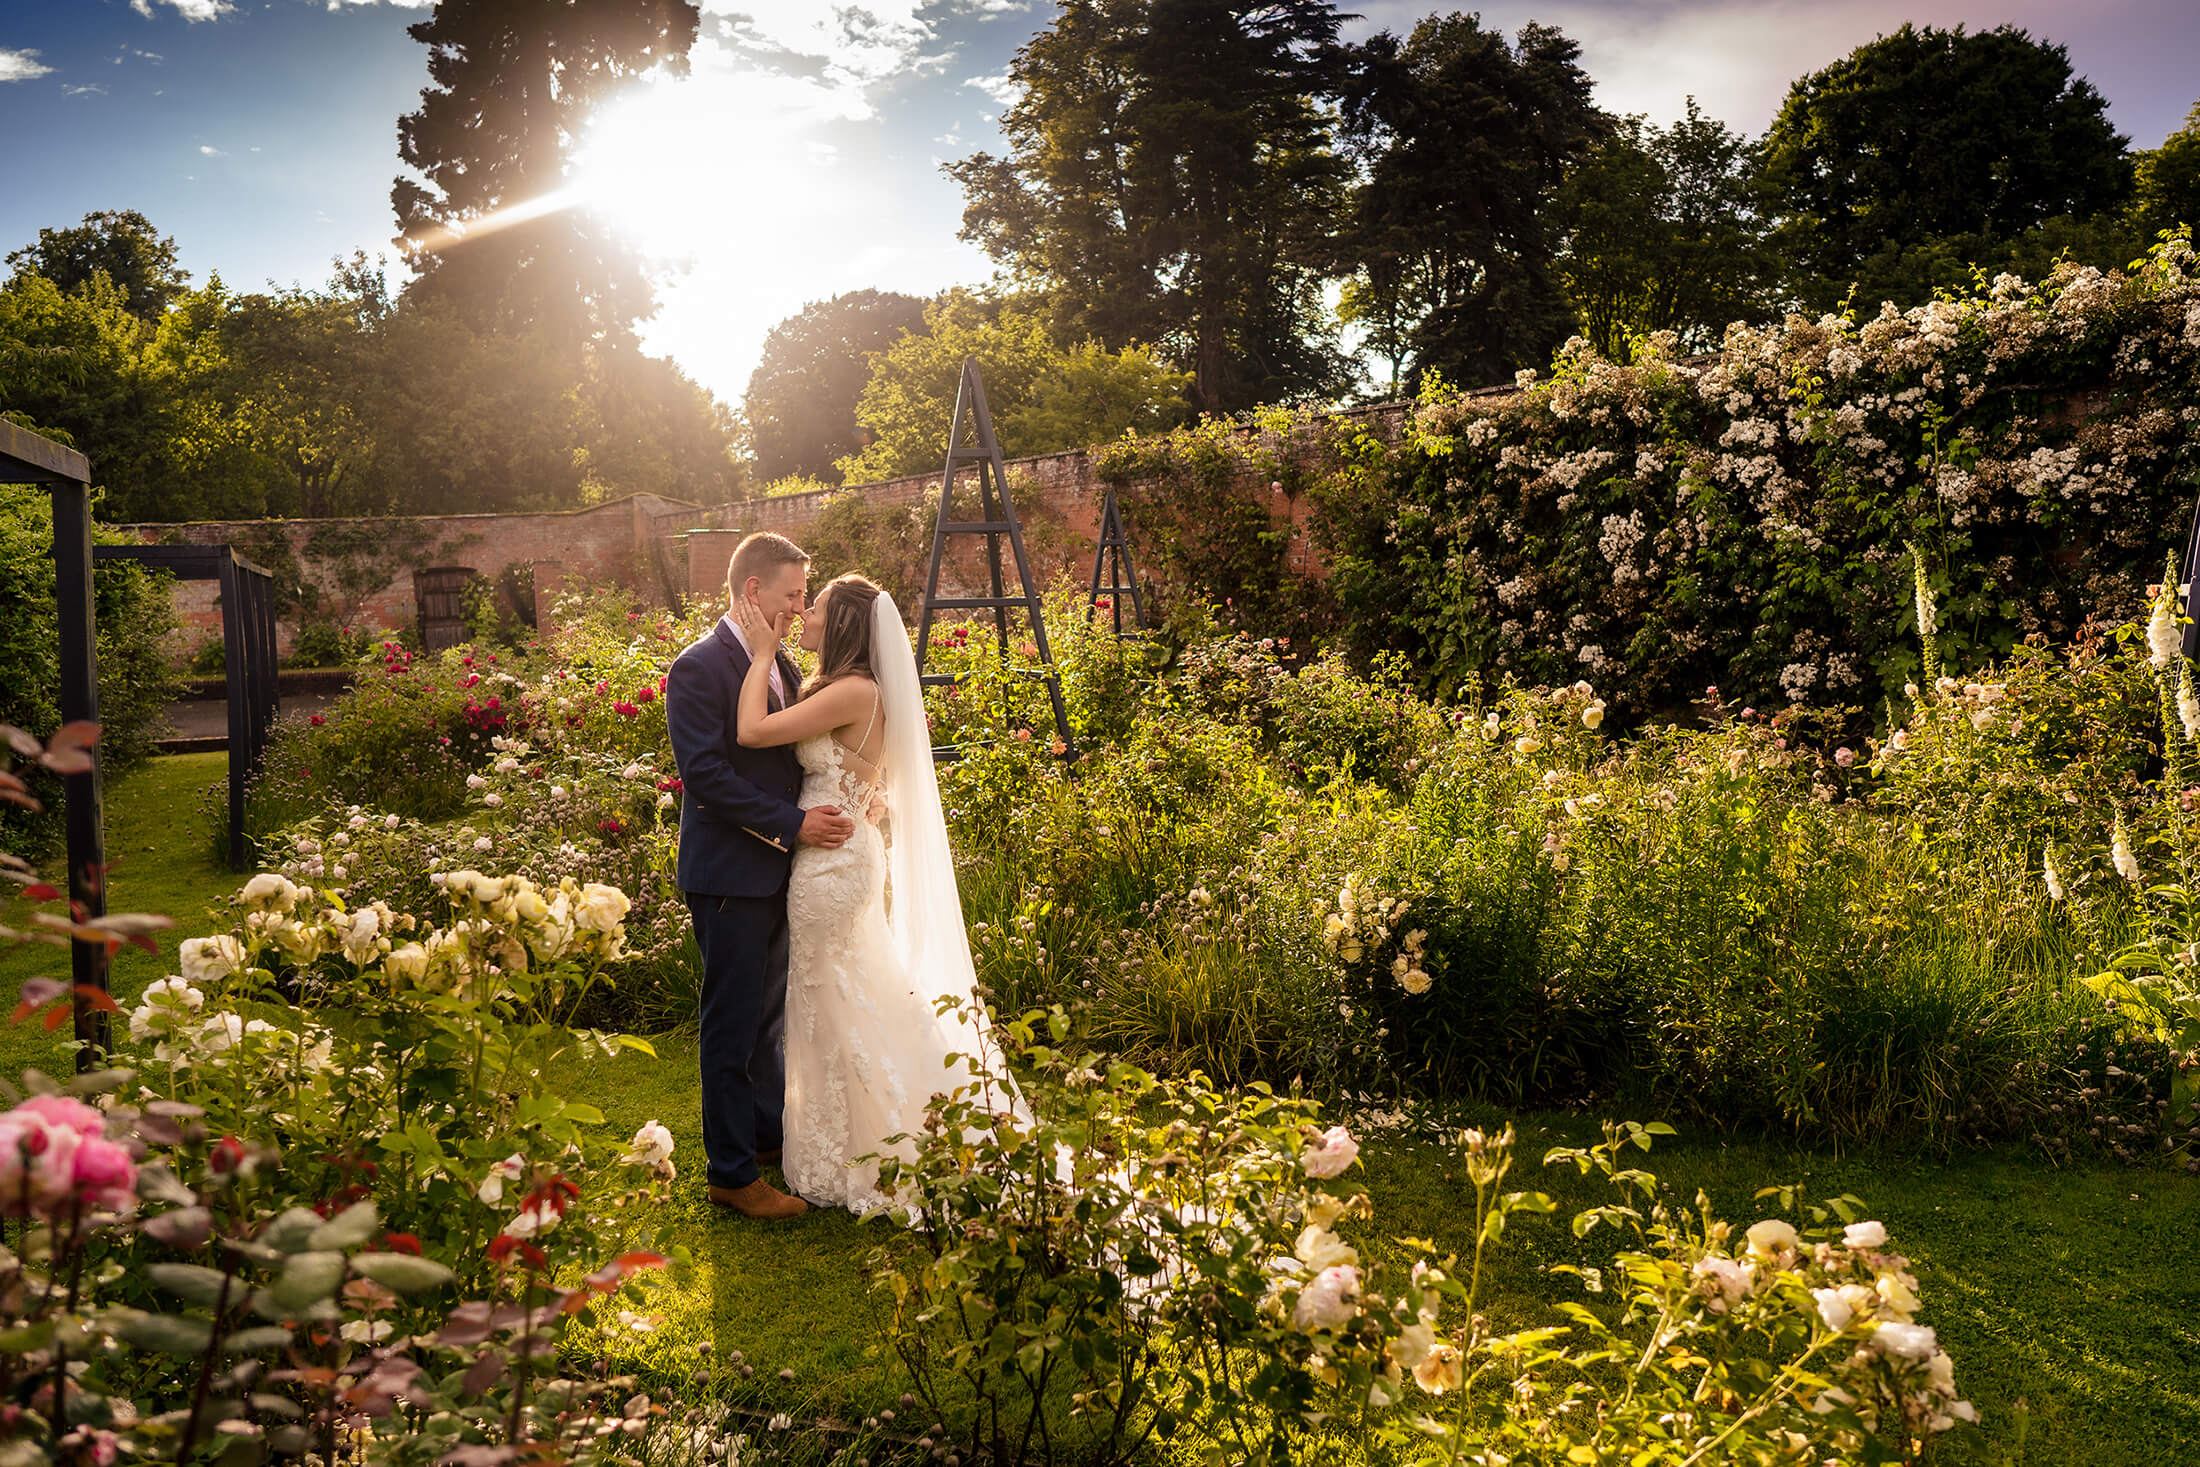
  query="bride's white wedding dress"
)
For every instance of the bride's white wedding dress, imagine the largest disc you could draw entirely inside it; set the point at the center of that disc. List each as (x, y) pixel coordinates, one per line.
(866, 1046)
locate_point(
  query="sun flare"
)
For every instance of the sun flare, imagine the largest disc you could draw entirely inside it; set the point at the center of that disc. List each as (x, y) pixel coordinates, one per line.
(680, 173)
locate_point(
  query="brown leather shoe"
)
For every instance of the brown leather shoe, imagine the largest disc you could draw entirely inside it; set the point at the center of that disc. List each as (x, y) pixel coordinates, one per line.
(759, 1199)
(770, 1157)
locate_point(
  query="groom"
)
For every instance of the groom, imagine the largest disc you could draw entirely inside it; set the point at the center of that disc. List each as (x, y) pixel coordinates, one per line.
(739, 825)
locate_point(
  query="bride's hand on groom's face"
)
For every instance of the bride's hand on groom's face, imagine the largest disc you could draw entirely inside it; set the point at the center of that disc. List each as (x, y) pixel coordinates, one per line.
(760, 629)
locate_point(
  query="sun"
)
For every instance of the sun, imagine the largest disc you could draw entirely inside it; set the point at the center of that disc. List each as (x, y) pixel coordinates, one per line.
(668, 168)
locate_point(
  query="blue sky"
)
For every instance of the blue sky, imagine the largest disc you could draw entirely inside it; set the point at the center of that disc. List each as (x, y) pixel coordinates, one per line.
(262, 133)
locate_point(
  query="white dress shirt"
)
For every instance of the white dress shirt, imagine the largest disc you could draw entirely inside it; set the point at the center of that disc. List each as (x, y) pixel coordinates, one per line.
(779, 690)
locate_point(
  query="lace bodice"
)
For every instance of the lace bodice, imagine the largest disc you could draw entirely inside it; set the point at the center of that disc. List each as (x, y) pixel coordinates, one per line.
(830, 778)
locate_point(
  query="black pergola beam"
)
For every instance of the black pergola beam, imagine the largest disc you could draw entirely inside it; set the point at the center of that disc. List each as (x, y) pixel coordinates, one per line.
(27, 458)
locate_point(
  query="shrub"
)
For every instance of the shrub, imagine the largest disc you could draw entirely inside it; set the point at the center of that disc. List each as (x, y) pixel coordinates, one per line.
(135, 618)
(1108, 1261)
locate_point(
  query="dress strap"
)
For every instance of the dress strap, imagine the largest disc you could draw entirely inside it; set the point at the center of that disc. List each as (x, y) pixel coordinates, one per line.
(877, 699)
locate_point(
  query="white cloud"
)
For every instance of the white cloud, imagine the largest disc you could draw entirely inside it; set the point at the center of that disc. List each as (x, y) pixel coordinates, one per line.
(192, 10)
(208, 150)
(21, 66)
(1001, 88)
(87, 87)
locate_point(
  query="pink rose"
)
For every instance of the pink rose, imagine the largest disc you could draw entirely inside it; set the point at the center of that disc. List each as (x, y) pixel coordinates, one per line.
(59, 1110)
(104, 1175)
(1330, 1153)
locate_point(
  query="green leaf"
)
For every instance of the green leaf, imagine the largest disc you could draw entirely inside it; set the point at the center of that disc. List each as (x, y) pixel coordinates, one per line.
(190, 1282)
(348, 1229)
(587, 1115)
(307, 1278)
(403, 1272)
(292, 1231)
(257, 1340)
(168, 1334)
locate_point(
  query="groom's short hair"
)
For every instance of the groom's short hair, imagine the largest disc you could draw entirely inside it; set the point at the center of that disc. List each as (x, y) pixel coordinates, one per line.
(759, 555)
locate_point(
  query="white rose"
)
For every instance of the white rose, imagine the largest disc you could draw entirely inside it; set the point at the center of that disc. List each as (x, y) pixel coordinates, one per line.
(268, 891)
(1330, 1301)
(1770, 1235)
(651, 1145)
(492, 800)
(483, 844)
(1732, 1280)
(1413, 1345)
(1330, 1154)
(600, 908)
(1439, 1371)
(1319, 1248)
(511, 1169)
(507, 766)
(1593, 715)
(389, 822)
(475, 781)
(1865, 1235)
(533, 1221)
(1415, 982)
(209, 959)
(1909, 1341)
(408, 964)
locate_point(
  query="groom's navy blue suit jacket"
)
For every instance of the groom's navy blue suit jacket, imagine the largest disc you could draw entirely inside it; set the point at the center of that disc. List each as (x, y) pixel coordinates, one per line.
(738, 811)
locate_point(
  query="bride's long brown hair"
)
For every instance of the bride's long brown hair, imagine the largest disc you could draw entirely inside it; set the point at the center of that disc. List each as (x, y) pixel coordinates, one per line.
(845, 650)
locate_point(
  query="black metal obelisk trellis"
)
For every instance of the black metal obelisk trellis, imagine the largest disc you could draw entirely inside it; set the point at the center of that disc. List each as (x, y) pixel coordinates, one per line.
(1112, 558)
(26, 458)
(971, 444)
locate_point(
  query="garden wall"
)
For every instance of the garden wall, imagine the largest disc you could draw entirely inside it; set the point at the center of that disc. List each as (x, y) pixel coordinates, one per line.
(360, 572)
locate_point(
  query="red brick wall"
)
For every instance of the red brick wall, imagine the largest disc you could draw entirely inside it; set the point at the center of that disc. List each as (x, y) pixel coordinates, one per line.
(620, 541)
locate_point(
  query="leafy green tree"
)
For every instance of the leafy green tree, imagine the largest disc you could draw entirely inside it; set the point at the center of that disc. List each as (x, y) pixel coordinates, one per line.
(801, 402)
(123, 245)
(646, 425)
(1662, 234)
(1170, 179)
(1463, 138)
(1926, 135)
(2166, 191)
(513, 82)
(72, 364)
(1043, 398)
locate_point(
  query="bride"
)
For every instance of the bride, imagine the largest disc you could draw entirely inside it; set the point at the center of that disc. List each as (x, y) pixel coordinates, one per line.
(875, 926)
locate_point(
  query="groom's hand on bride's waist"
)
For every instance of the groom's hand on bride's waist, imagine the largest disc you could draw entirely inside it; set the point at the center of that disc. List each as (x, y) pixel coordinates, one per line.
(825, 826)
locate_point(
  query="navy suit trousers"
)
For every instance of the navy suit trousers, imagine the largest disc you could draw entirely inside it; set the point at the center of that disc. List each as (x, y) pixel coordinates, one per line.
(744, 1014)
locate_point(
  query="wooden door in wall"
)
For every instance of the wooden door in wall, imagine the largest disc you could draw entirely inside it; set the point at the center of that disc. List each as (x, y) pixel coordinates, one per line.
(440, 594)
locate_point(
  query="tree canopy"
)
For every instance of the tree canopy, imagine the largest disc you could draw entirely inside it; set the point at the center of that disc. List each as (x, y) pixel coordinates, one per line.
(1043, 397)
(120, 244)
(1170, 181)
(1928, 134)
(2166, 185)
(801, 402)
(1662, 234)
(512, 83)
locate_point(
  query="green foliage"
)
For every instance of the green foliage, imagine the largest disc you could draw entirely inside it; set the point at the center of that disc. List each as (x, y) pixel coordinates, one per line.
(2166, 182)
(1170, 180)
(1662, 234)
(1465, 138)
(1662, 527)
(1925, 134)
(801, 402)
(135, 618)
(123, 246)
(1043, 398)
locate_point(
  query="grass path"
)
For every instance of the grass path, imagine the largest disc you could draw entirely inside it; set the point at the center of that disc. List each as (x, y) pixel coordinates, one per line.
(2069, 1291)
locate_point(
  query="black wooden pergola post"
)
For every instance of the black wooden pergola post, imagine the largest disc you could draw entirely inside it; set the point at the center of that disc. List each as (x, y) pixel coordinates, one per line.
(248, 654)
(26, 458)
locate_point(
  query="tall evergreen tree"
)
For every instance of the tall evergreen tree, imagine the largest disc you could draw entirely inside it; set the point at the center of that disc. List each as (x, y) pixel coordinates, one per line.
(1464, 139)
(1926, 135)
(513, 80)
(2167, 192)
(1171, 181)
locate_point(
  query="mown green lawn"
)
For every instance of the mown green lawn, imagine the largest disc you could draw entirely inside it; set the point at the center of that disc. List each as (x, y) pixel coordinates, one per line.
(2068, 1297)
